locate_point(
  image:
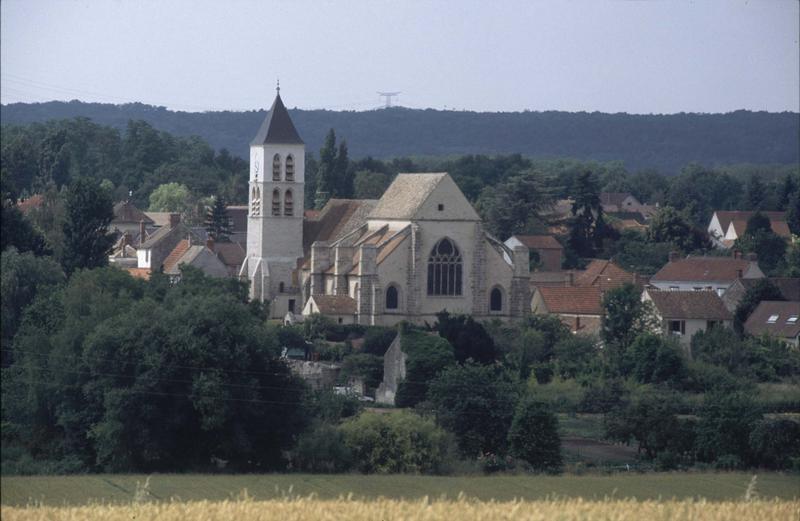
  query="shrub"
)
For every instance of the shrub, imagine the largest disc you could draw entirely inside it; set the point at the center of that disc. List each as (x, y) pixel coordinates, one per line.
(533, 436)
(468, 338)
(400, 441)
(378, 339)
(427, 355)
(726, 421)
(322, 449)
(654, 359)
(365, 366)
(602, 396)
(775, 442)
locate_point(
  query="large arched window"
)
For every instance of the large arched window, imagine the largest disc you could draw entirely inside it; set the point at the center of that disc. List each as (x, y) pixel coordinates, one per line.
(288, 207)
(392, 298)
(444, 269)
(496, 300)
(276, 167)
(276, 202)
(289, 168)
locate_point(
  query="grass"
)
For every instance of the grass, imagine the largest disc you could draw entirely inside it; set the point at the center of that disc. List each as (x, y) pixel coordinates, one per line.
(86, 489)
(463, 510)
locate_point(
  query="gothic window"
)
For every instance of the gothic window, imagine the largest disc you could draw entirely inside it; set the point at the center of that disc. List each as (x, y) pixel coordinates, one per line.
(276, 167)
(392, 298)
(289, 168)
(445, 269)
(276, 202)
(287, 204)
(496, 300)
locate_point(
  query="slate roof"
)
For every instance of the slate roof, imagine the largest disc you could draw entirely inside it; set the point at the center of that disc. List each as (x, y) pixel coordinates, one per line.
(572, 300)
(405, 195)
(758, 322)
(126, 212)
(336, 219)
(605, 275)
(335, 304)
(277, 127)
(702, 269)
(702, 305)
(539, 242)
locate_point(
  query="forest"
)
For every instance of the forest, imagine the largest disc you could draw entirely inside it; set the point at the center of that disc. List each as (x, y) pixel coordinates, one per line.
(665, 142)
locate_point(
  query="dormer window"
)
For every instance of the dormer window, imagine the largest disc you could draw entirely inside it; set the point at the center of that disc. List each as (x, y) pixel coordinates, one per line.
(772, 319)
(276, 167)
(792, 319)
(289, 168)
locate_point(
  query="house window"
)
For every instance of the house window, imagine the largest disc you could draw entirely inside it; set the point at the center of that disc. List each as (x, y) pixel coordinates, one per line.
(772, 319)
(441, 207)
(340, 320)
(276, 167)
(677, 327)
(445, 269)
(276, 202)
(710, 324)
(392, 298)
(288, 207)
(792, 319)
(674, 288)
(291, 305)
(289, 168)
(496, 300)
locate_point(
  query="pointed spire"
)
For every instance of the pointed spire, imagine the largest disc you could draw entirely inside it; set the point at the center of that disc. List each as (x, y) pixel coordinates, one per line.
(277, 127)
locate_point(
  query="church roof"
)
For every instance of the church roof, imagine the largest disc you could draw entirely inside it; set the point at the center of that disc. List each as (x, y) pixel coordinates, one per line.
(277, 127)
(406, 195)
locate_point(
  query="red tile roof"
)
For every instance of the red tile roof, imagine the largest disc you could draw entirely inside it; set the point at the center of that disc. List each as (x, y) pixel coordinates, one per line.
(703, 269)
(758, 323)
(703, 305)
(725, 217)
(34, 201)
(139, 273)
(605, 275)
(779, 227)
(572, 300)
(539, 242)
(176, 254)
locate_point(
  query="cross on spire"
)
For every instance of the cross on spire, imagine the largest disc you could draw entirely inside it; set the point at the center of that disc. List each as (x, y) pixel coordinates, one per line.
(278, 88)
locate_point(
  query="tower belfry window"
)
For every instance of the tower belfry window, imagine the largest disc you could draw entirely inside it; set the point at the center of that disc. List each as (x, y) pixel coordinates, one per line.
(289, 168)
(288, 208)
(445, 271)
(276, 202)
(276, 167)
(255, 201)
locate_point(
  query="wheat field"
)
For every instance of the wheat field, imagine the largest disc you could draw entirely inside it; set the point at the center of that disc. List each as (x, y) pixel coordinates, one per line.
(387, 509)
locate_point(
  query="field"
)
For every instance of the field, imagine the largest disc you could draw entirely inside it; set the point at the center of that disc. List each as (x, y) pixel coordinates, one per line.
(82, 490)
(463, 510)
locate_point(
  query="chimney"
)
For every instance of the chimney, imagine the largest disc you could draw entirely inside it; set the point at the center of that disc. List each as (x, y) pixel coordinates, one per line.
(189, 239)
(674, 256)
(210, 243)
(174, 220)
(141, 232)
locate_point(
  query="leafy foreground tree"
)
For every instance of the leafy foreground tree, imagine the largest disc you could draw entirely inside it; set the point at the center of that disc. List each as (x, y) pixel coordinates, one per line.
(625, 317)
(760, 239)
(723, 433)
(476, 403)
(533, 436)
(138, 376)
(86, 238)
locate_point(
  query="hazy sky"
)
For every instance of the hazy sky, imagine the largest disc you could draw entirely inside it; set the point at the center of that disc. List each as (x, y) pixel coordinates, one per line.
(487, 55)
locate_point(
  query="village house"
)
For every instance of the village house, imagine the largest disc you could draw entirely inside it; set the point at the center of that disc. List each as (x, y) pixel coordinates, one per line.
(606, 274)
(778, 319)
(789, 288)
(625, 203)
(200, 256)
(579, 307)
(727, 226)
(545, 251)
(697, 273)
(128, 219)
(682, 313)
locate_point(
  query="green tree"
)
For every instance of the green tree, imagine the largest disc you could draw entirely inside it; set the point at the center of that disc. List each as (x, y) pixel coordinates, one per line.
(652, 359)
(397, 442)
(326, 171)
(468, 338)
(775, 443)
(587, 228)
(756, 192)
(625, 317)
(218, 223)
(369, 185)
(670, 226)
(726, 423)
(172, 197)
(426, 357)
(793, 213)
(343, 174)
(89, 211)
(515, 205)
(476, 403)
(533, 436)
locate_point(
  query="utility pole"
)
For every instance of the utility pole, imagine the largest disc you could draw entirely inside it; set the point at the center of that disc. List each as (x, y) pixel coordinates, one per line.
(388, 97)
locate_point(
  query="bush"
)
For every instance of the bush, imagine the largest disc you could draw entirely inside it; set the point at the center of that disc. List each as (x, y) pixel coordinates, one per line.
(327, 406)
(533, 436)
(365, 366)
(602, 396)
(400, 441)
(427, 355)
(654, 359)
(322, 449)
(726, 421)
(378, 339)
(468, 338)
(774, 443)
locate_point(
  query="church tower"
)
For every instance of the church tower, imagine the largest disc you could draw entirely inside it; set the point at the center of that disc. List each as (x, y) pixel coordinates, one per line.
(275, 215)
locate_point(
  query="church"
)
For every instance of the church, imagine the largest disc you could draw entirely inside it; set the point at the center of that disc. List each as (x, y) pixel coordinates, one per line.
(418, 250)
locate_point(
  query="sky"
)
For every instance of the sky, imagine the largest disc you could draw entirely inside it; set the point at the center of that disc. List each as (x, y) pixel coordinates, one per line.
(645, 57)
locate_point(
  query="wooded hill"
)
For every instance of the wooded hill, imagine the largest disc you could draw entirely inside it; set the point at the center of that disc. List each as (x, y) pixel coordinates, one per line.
(662, 142)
